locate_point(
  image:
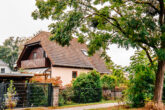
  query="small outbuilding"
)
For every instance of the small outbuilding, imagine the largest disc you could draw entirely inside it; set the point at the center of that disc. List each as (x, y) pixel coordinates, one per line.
(6, 74)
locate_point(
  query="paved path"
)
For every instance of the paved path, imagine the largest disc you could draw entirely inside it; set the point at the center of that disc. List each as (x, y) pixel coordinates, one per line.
(91, 106)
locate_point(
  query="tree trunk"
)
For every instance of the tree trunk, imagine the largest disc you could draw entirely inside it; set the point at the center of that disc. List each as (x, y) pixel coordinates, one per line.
(159, 82)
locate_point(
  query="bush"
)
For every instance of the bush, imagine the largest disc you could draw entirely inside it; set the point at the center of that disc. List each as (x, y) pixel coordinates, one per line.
(39, 95)
(87, 88)
(61, 100)
(66, 96)
(108, 81)
(10, 96)
(141, 86)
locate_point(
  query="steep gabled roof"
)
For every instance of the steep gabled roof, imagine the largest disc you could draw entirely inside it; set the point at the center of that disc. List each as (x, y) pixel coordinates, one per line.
(68, 56)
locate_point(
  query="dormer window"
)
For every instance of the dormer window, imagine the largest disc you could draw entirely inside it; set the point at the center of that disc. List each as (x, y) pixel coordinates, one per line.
(34, 55)
(84, 52)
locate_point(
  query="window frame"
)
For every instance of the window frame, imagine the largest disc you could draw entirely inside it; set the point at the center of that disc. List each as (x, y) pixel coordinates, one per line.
(2, 70)
(74, 72)
(34, 55)
(44, 54)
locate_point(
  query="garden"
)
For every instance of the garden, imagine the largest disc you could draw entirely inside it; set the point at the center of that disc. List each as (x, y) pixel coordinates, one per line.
(92, 88)
(137, 89)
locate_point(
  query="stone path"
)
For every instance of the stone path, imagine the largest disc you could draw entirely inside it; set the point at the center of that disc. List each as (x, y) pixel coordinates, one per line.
(91, 106)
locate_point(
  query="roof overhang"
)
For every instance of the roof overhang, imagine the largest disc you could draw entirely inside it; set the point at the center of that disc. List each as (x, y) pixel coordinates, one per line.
(72, 66)
(15, 75)
(32, 44)
(36, 71)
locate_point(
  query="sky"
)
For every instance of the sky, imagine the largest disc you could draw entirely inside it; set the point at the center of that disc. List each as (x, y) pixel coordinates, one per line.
(16, 20)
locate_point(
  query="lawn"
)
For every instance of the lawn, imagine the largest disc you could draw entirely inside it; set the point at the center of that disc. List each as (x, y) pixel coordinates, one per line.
(77, 104)
(118, 108)
(71, 105)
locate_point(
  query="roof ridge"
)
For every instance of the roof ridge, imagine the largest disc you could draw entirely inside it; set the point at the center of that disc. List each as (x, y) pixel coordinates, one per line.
(36, 35)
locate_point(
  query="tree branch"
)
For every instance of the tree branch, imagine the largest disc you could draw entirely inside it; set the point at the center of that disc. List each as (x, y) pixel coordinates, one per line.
(148, 3)
(147, 53)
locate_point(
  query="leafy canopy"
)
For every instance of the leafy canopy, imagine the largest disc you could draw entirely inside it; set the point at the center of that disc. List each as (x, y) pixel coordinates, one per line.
(11, 48)
(135, 23)
(9, 51)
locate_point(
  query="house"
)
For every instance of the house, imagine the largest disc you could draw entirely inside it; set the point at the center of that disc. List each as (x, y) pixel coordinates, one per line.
(4, 67)
(6, 74)
(40, 55)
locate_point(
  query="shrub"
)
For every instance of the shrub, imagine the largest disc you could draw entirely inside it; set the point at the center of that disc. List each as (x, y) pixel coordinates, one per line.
(10, 99)
(108, 81)
(39, 95)
(87, 88)
(61, 100)
(66, 96)
(141, 86)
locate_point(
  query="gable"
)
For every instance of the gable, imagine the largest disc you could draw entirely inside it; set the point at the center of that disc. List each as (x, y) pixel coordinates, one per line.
(68, 56)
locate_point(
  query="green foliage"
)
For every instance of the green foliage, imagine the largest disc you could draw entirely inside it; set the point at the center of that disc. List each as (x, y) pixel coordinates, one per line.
(61, 101)
(128, 23)
(117, 72)
(123, 24)
(109, 81)
(87, 88)
(9, 51)
(39, 95)
(141, 85)
(141, 80)
(10, 97)
(66, 96)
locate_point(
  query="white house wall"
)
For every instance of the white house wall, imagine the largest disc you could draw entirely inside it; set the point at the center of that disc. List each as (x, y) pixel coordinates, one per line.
(7, 69)
(66, 73)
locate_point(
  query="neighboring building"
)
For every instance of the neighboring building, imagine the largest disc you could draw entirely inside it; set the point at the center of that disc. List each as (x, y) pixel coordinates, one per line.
(40, 55)
(4, 67)
(6, 74)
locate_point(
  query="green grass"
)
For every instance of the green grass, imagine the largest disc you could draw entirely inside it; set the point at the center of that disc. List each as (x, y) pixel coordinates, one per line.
(71, 105)
(94, 103)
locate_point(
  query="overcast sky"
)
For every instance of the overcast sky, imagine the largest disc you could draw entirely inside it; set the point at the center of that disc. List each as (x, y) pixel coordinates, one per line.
(16, 20)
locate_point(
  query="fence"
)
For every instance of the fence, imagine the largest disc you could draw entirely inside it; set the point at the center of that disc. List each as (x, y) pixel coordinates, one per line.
(29, 94)
(85, 95)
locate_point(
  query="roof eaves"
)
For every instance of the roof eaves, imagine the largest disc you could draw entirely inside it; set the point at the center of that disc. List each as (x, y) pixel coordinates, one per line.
(32, 44)
(73, 66)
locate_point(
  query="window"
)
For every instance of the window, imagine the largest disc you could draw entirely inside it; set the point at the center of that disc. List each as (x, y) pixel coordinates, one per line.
(84, 52)
(2, 70)
(74, 74)
(45, 55)
(34, 55)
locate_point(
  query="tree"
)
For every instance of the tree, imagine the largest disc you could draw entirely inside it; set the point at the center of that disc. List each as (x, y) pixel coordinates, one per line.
(109, 81)
(141, 80)
(117, 71)
(10, 49)
(128, 23)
